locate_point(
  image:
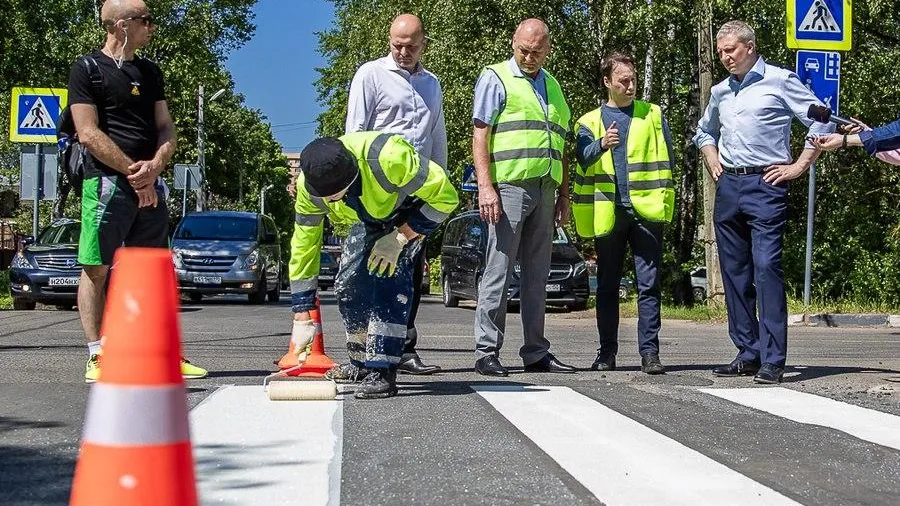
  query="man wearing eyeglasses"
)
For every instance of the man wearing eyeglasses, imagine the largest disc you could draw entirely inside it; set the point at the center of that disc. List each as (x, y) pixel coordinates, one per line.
(117, 101)
(396, 94)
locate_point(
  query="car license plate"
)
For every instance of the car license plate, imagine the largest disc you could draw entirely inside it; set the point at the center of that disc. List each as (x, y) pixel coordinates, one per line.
(207, 280)
(554, 288)
(326, 278)
(63, 281)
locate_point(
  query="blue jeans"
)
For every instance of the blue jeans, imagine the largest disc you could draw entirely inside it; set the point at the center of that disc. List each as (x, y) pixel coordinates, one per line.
(375, 309)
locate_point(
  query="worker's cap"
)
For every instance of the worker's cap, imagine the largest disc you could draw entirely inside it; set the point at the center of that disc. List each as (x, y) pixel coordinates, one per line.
(328, 167)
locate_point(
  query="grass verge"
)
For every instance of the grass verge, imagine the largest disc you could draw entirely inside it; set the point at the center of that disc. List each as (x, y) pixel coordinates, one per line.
(5, 299)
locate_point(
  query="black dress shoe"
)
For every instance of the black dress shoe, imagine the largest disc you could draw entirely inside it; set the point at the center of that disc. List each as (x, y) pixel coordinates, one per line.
(490, 366)
(604, 362)
(549, 364)
(737, 367)
(650, 364)
(769, 374)
(412, 364)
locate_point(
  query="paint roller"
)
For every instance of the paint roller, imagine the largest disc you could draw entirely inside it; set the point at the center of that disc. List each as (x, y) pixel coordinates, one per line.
(297, 389)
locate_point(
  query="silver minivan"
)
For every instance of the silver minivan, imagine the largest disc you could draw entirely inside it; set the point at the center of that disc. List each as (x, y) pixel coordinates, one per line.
(219, 252)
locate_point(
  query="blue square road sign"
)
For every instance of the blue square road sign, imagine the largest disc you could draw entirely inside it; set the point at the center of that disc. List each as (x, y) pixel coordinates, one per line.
(820, 71)
(819, 24)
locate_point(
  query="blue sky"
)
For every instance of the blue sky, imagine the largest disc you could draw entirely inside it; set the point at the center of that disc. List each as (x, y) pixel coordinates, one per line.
(276, 69)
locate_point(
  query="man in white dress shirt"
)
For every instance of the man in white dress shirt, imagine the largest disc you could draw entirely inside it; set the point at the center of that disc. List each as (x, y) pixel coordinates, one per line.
(397, 94)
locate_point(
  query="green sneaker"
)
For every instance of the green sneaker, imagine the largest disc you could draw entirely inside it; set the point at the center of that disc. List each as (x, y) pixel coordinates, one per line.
(92, 369)
(190, 371)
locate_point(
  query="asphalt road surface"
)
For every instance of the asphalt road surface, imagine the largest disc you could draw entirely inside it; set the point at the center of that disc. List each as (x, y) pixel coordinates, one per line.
(830, 434)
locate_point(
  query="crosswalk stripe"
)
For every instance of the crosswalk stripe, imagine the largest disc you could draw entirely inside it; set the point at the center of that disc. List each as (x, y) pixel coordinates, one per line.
(250, 450)
(621, 461)
(866, 424)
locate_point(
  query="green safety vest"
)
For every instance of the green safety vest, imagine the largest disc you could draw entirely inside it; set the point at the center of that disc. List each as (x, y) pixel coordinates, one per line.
(649, 174)
(526, 142)
(389, 170)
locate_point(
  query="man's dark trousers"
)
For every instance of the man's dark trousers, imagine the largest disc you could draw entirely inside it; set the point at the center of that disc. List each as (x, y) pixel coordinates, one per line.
(750, 216)
(645, 238)
(412, 336)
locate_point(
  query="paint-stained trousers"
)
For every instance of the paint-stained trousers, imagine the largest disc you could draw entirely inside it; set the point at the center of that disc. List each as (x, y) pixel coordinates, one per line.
(375, 309)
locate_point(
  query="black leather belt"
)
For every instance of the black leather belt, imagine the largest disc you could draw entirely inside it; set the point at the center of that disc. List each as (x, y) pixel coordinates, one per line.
(745, 170)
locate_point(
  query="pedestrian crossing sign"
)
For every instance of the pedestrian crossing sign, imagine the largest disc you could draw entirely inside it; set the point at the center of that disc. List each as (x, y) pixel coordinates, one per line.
(34, 113)
(819, 24)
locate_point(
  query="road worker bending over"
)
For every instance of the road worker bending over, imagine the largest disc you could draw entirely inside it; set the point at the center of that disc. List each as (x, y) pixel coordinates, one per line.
(393, 198)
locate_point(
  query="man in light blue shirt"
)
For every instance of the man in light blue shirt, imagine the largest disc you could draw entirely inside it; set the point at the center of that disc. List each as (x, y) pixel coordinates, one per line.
(396, 94)
(745, 136)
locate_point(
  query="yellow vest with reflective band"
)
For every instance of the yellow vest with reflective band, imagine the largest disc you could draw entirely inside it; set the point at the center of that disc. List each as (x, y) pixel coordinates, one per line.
(525, 141)
(389, 171)
(650, 184)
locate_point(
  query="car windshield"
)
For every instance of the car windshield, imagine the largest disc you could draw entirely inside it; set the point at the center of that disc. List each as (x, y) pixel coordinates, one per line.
(62, 233)
(219, 228)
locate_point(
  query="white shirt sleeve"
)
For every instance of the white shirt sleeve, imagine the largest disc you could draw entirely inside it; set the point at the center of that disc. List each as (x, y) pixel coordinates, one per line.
(439, 134)
(361, 102)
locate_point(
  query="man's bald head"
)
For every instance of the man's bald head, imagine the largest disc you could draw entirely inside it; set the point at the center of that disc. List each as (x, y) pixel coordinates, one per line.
(115, 10)
(531, 45)
(407, 40)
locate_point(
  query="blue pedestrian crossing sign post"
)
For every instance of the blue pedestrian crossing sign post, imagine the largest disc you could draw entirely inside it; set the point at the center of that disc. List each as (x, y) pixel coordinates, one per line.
(820, 71)
(34, 113)
(819, 24)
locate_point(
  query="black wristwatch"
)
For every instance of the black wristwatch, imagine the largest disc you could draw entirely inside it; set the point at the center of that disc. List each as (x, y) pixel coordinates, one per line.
(844, 142)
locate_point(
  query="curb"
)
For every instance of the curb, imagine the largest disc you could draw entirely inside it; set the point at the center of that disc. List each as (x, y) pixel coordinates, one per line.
(843, 320)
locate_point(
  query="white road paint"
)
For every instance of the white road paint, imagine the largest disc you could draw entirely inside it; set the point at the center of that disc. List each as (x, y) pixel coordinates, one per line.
(866, 424)
(619, 460)
(250, 450)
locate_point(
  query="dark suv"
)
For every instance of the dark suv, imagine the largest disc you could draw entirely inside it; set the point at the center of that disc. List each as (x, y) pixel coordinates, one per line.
(47, 270)
(462, 264)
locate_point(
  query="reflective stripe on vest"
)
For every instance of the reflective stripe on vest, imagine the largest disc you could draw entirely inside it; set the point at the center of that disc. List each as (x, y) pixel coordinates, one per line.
(123, 415)
(378, 171)
(308, 220)
(526, 141)
(650, 185)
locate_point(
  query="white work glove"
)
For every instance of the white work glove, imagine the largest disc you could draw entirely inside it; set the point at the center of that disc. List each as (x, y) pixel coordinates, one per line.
(302, 335)
(386, 252)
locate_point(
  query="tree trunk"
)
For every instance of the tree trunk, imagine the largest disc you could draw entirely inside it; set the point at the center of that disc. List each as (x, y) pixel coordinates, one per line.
(648, 61)
(714, 290)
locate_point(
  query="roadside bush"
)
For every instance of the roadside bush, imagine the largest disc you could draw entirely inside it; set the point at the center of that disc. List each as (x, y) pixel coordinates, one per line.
(434, 272)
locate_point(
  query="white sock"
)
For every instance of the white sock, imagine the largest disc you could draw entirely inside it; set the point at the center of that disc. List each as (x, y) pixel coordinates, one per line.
(93, 347)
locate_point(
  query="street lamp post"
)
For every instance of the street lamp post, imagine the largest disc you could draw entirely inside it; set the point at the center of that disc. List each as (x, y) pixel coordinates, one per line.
(262, 198)
(201, 144)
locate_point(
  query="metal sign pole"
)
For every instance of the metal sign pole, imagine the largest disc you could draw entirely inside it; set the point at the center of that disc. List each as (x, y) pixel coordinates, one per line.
(187, 188)
(810, 211)
(38, 170)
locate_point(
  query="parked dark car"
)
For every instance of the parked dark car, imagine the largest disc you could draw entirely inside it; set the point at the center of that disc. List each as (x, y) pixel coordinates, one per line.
(330, 260)
(626, 284)
(47, 270)
(228, 252)
(462, 264)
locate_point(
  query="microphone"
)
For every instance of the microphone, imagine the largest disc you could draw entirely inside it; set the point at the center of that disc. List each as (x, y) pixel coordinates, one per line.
(823, 115)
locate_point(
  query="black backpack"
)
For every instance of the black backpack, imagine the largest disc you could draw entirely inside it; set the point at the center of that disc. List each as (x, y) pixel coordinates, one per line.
(73, 157)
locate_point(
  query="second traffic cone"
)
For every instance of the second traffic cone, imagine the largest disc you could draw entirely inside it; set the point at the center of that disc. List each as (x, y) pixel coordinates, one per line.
(136, 446)
(317, 362)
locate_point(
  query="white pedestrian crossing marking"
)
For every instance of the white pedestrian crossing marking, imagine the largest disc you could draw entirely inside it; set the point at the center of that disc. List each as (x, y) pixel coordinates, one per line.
(608, 452)
(250, 450)
(866, 424)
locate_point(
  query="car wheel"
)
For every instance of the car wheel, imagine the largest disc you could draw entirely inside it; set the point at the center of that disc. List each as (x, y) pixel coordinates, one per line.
(64, 307)
(24, 304)
(623, 292)
(259, 295)
(275, 295)
(195, 297)
(449, 299)
(699, 294)
(580, 305)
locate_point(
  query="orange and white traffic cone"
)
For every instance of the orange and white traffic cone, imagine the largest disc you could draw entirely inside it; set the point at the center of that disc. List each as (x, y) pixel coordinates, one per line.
(317, 362)
(136, 446)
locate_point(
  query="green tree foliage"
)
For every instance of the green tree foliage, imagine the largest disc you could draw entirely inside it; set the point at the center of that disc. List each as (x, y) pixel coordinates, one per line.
(191, 43)
(857, 239)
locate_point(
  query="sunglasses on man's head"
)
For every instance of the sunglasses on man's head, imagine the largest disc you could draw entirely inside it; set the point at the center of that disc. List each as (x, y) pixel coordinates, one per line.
(146, 19)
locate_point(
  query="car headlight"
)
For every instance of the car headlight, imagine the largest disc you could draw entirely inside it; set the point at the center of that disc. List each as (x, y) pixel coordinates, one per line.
(252, 261)
(20, 262)
(580, 269)
(178, 260)
(517, 268)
